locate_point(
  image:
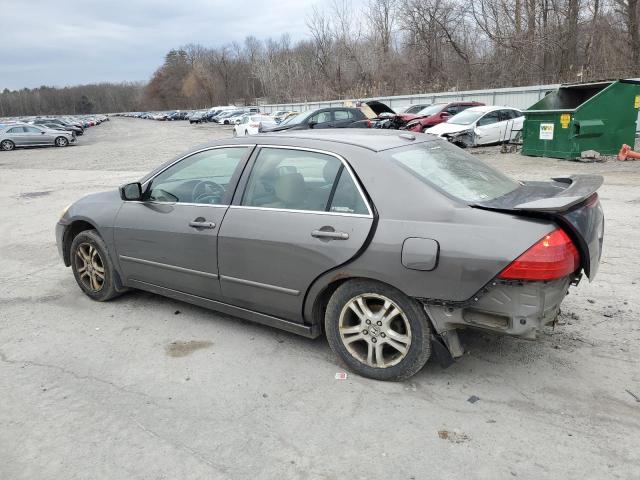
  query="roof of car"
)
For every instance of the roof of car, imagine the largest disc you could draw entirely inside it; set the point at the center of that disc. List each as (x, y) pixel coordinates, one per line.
(371, 139)
(489, 108)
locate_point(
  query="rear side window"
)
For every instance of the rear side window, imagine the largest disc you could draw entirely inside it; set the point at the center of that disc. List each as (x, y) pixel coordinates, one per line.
(454, 172)
(343, 115)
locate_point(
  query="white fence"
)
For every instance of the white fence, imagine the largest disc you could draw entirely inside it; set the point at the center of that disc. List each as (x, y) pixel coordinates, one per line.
(518, 97)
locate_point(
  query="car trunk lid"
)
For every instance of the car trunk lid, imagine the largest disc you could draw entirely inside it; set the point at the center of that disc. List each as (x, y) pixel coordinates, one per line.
(571, 202)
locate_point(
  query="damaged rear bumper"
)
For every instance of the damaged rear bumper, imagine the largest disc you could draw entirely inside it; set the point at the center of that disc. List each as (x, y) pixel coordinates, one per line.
(520, 309)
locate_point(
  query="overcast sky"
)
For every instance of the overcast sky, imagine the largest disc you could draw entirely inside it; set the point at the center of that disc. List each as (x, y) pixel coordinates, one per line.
(60, 42)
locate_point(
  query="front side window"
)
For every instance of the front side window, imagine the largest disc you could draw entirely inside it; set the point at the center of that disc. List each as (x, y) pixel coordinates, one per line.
(489, 118)
(32, 130)
(453, 171)
(301, 180)
(321, 117)
(202, 178)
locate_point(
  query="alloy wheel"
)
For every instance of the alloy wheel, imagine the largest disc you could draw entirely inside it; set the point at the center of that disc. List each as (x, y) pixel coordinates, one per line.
(375, 330)
(90, 267)
(7, 145)
(61, 142)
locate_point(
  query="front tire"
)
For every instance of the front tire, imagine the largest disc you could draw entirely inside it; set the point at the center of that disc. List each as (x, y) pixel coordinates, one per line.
(92, 267)
(7, 145)
(61, 142)
(377, 331)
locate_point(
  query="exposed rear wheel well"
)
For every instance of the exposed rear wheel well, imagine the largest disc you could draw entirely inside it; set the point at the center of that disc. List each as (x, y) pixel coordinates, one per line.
(72, 231)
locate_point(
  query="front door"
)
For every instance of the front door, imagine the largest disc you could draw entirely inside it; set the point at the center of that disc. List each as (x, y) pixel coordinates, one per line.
(488, 128)
(300, 214)
(169, 239)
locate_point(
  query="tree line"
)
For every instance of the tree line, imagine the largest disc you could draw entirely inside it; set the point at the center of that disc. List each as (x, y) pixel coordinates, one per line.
(384, 47)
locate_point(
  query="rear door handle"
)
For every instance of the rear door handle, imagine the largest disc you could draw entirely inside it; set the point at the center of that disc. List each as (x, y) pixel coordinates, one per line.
(195, 224)
(330, 234)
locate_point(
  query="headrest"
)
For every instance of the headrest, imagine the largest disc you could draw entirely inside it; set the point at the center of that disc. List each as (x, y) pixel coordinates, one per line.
(290, 189)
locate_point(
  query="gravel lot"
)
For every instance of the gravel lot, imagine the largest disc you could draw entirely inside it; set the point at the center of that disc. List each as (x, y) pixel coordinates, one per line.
(149, 388)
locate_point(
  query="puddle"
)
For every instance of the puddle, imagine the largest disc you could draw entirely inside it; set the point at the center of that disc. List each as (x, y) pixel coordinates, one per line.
(182, 349)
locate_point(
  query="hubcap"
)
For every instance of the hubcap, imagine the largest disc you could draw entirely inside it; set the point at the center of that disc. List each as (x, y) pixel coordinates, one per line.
(375, 330)
(6, 145)
(90, 267)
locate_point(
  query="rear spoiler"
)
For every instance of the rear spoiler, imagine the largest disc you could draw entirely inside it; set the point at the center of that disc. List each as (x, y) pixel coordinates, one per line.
(580, 188)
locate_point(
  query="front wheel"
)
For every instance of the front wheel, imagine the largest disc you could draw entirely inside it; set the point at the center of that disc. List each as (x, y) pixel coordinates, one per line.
(7, 145)
(61, 142)
(377, 331)
(92, 267)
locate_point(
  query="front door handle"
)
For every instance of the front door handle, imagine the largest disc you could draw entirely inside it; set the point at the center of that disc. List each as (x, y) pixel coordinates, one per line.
(196, 224)
(330, 234)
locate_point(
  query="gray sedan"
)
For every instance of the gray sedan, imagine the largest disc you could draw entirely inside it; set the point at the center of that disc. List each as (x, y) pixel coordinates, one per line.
(387, 242)
(23, 135)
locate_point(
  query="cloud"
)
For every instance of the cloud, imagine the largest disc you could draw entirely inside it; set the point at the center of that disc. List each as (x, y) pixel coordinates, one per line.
(68, 43)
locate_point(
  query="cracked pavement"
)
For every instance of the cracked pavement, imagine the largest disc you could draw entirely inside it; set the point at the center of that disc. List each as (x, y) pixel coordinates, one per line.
(132, 389)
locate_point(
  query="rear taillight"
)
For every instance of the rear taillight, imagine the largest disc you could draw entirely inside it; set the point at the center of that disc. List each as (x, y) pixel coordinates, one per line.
(554, 256)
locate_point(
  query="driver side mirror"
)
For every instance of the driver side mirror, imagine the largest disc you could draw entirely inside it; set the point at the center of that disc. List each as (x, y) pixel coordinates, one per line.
(131, 191)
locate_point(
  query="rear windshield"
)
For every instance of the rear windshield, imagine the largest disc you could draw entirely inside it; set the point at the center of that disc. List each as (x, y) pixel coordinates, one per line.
(453, 171)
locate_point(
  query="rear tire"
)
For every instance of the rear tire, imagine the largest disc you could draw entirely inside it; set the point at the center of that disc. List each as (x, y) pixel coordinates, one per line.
(92, 266)
(61, 142)
(7, 145)
(377, 331)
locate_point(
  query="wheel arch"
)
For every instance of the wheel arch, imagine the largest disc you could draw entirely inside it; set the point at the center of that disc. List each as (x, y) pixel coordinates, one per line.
(72, 230)
(320, 292)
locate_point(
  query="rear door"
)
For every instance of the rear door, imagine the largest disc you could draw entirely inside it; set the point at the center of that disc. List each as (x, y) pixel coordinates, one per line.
(343, 118)
(18, 136)
(170, 238)
(300, 213)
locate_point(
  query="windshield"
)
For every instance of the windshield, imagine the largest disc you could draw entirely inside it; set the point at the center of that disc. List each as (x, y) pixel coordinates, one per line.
(296, 119)
(466, 117)
(454, 171)
(431, 109)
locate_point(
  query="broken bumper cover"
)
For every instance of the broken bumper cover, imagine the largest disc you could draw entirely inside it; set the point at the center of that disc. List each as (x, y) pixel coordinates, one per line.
(513, 308)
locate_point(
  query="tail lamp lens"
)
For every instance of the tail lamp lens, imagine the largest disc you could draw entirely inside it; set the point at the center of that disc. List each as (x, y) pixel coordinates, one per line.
(554, 256)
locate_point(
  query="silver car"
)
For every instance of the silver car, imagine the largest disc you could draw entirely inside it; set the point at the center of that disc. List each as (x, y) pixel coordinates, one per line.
(23, 135)
(387, 242)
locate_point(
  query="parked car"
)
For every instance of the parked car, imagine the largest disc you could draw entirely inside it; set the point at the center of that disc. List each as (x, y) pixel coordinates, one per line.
(23, 135)
(416, 108)
(389, 242)
(225, 118)
(56, 124)
(334, 117)
(197, 117)
(481, 126)
(250, 124)
(434, 114)
(279, 115)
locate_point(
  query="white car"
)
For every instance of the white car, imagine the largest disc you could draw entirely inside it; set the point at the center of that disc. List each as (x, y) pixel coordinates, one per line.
(250, 124)
(486, 125)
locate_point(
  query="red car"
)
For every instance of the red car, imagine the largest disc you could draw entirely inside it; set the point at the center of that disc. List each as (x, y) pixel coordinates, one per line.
(434, 114)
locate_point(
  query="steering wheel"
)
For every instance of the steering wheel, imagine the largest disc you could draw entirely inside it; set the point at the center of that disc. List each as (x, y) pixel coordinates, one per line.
(207, 191)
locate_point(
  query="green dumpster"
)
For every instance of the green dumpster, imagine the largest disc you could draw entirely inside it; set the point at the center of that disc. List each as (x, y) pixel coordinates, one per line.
(576, 118)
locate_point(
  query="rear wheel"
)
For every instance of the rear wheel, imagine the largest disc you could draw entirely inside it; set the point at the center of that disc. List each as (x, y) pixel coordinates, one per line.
(61, 142)
(92, 267)
(7, 145)
(377, 331)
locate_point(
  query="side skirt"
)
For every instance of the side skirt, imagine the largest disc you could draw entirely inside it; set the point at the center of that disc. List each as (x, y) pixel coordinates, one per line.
(298, 328)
